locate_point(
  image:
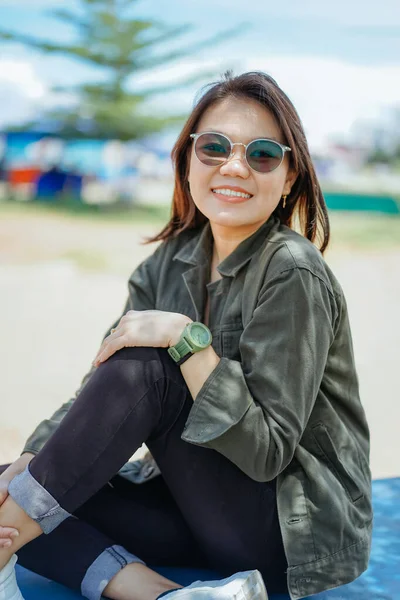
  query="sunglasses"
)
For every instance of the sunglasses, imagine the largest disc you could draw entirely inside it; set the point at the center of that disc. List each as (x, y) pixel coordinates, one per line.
(262, 155)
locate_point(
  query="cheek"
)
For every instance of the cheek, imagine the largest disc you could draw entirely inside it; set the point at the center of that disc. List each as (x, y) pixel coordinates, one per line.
(192, 163)
(199, 176)
(271, 184)
(193, 172)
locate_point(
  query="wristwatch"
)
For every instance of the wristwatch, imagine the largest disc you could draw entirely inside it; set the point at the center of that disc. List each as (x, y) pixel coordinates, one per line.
(195, 337)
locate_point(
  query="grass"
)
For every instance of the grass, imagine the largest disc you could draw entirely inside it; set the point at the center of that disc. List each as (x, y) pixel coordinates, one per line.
(349, 230)
(117, 213)
(365, 231)
(87, 260)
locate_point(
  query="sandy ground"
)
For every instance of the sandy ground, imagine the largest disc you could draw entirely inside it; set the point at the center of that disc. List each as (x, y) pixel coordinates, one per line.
(53, 315)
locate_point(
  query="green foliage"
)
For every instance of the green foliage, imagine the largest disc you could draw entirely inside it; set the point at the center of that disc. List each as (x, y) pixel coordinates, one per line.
(385, 157)
(355, 230)
(119, 47)
(115, 212)
(364, 231)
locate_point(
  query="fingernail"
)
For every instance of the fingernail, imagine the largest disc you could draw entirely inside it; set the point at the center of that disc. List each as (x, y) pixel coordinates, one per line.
(7, 544)
(14, 534)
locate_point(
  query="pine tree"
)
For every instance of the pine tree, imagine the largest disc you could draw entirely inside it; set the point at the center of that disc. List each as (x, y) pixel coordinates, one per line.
(121, 47)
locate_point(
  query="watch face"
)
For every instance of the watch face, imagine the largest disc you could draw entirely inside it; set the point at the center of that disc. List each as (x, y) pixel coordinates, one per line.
(200, 334)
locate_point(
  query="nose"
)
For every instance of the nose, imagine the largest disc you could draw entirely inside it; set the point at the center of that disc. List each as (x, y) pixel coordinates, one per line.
(236, 165)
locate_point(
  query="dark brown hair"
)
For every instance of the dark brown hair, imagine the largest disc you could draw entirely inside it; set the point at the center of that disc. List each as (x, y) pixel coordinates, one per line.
(305, 205)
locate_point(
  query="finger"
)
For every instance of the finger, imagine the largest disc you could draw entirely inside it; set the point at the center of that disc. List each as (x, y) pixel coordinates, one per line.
(115, 334)
(101, 350)
(8, 532)
(3, 496)
(5, 543)
(112, 347)
(105, 342)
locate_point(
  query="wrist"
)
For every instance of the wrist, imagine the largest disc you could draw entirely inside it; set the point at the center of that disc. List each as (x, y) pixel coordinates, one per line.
(21, 462)
(208, 356)
(179, 326)
(27, 455)
(16, 467)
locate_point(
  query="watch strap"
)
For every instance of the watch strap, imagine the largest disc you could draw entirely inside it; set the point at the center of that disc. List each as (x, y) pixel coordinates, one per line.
(184, 358)
(183, 347)
(181, 350)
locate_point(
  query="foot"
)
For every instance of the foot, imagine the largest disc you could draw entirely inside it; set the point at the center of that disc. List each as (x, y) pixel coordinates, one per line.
(9, 589)
(247, 585)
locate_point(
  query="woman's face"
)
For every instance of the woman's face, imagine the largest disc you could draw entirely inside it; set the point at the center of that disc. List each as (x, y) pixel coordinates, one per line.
(242, 121)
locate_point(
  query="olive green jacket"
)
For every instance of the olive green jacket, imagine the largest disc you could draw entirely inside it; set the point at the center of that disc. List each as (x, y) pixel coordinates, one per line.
(283, 401)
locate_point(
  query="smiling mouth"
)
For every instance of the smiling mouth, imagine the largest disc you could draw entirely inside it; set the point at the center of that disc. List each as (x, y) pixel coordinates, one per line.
(232, 193)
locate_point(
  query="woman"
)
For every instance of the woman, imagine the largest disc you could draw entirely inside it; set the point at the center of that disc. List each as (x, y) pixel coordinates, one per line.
(259, 433)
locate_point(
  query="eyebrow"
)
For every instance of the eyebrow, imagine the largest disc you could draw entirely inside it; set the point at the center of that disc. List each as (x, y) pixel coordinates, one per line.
(263, 137)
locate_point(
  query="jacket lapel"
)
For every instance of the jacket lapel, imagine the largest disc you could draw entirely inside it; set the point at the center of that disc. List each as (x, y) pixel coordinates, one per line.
(195, 282)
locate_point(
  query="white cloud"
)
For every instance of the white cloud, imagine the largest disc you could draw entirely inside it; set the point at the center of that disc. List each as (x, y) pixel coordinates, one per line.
(21, 89)
(21, 75)
(24, 93)
(331, 95)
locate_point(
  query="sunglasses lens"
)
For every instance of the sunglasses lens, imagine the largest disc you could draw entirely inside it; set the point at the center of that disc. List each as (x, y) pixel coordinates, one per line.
(212, 149)
(264, 155)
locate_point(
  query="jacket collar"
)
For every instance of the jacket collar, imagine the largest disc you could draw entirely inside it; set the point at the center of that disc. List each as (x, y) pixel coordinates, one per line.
(198, 250)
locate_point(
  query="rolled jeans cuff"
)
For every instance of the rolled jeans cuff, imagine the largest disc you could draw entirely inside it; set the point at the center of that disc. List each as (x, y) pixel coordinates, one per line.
(36, 501)
(103, 569)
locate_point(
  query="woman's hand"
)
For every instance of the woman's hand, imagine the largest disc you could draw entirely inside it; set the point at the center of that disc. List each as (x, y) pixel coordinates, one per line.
(7, 534)
(154, 328)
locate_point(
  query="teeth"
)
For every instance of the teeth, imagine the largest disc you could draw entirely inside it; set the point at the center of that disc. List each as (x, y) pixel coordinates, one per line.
(226, 192)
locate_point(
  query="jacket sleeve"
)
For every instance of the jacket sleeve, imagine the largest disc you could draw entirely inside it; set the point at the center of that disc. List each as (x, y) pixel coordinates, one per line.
(254, 412)
(141, 296)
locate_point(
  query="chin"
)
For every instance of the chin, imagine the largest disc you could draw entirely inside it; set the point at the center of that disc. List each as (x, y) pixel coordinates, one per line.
(228, 220)
(231, 215)
(234, 212)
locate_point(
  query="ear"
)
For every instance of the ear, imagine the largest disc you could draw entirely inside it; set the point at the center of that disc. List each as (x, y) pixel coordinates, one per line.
(289, 182)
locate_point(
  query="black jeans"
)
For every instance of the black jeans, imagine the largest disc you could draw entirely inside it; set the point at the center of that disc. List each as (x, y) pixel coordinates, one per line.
(202, 512)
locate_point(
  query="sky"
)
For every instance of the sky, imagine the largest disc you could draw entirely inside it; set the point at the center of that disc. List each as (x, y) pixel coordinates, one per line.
(339, 62)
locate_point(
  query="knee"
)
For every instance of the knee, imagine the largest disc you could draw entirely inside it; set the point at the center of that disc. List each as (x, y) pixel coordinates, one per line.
(134, 360)
(135, 353)
(148, 363)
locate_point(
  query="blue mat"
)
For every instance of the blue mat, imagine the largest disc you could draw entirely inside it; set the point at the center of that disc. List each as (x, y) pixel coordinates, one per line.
(380, 582)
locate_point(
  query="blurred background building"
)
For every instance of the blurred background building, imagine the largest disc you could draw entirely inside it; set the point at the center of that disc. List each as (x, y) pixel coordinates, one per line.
(93, 93)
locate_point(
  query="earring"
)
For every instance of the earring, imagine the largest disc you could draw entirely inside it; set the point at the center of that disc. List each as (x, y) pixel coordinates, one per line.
(284, 201)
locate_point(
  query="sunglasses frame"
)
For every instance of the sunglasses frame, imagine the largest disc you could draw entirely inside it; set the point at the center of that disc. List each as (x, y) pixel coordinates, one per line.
(195, 137)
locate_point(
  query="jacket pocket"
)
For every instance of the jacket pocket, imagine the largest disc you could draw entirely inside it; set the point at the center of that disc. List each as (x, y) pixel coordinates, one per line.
(329, 452)
(230, 343)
